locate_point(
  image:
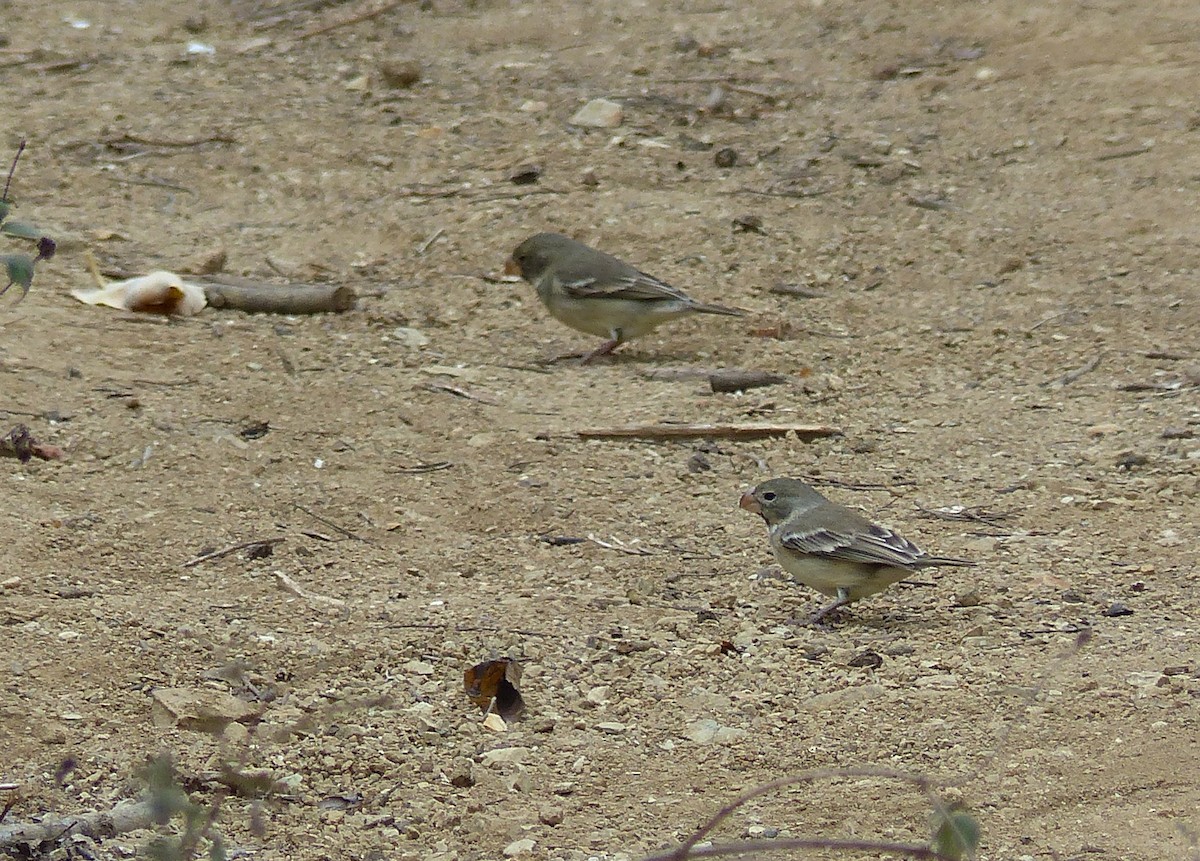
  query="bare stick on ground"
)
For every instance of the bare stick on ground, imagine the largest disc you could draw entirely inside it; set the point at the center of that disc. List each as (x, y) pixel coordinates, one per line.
(740, 381)
(232, 548)
(263, 297)
(346, 21)
(706, 431)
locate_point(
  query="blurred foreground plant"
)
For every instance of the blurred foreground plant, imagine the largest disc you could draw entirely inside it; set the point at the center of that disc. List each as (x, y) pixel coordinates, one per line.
(18, 268)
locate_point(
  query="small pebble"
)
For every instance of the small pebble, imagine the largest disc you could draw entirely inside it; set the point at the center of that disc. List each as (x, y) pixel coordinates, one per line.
(399, 74)
(725, 157)
(599, 114)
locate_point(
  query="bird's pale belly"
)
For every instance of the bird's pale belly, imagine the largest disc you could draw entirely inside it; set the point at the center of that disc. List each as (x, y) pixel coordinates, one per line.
(827, 576)
(604, 317)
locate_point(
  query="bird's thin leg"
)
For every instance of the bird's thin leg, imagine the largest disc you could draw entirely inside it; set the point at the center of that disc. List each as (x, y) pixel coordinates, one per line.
(604, 349)
(843, 598)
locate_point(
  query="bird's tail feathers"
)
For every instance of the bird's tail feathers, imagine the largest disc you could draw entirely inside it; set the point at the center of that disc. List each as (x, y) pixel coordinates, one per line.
(705, 308)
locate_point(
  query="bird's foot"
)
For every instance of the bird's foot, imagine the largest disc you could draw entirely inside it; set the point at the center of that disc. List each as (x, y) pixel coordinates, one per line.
(604, 349)
(817, 621)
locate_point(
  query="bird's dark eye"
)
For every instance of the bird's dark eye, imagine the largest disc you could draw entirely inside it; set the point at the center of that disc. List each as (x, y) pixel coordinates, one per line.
(769, 496)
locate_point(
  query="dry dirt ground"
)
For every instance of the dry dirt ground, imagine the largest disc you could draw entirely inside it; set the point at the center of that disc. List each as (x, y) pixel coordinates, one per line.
(992, 208)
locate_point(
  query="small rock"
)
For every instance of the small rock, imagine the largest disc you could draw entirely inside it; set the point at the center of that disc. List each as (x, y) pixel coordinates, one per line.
(526, 174)
(967, 599)
(533, 107)
(460, 775)
(940, 680)
(550, 815)
(868, 660)
(1116, 609)
(611, 727)
(399, 74)
(505, 754)
(589, 178)
(52, 735)
(685, 43)
(599, 114)
(703, 731)
(518, 781)
(495, 723)
(413, 338)
(1127, 460)
(419, 668)
(200, 710)
(519, 847)
(207, 262)
(748, 223)
(708, 731)
(598, 695)
(725, 157)
(843, 698)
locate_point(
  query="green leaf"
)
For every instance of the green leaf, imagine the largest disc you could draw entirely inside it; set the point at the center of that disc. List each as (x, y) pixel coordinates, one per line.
(957, 835)
(19, 268)
(4, 209)
(21, 230)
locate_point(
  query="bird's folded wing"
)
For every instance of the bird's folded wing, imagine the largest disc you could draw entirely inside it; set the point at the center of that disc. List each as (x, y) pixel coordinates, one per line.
(873, 546)
(637, 288)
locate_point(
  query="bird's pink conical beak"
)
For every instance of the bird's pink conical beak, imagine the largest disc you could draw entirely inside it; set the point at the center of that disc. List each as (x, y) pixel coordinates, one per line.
(750, 503)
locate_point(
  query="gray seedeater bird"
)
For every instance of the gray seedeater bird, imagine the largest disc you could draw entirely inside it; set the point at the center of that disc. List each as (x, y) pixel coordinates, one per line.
(831, 548)
(598, 294)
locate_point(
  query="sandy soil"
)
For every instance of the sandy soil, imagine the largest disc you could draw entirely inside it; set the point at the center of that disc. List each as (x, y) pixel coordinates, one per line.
(992, 210)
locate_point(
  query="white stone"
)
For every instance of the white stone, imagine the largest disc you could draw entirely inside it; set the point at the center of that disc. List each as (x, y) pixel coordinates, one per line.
(599, 114)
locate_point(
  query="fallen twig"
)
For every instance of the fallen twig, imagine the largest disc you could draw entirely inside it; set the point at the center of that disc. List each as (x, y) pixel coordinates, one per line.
(263, 297)
(706, 431)
(419, 468)
(739, 381)
(433, 237)
(770, 192)
(144, 141)
(346, 532)
(232, 548)
(620, 546)
(473, 629)
(152, 183)
(126, 816)
(1124, 153)
(913, 850)
(975, 514)
(457, 392)
(357, 18)
(287, 584)
(1172, 387)
(1073, 375)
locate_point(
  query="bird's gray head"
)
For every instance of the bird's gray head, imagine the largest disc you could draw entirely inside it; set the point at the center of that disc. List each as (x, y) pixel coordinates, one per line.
(532, 257)
(778, 498)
